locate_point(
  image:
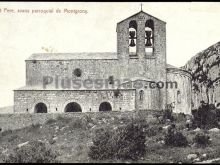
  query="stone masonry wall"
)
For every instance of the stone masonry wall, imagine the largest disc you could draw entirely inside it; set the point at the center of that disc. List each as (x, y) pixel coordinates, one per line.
(184, 87)
(156, 63)
(89, 100)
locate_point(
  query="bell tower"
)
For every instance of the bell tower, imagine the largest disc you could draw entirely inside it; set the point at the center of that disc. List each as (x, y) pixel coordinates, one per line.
(141, 36)
(141, 51)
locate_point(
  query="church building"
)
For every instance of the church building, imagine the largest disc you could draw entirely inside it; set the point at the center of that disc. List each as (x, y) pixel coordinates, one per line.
(135, 77)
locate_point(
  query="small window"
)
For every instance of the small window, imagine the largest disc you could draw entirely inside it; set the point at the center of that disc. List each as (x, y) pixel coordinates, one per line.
(141, 95)
(178, 97)
(77, 72)
(111, 80)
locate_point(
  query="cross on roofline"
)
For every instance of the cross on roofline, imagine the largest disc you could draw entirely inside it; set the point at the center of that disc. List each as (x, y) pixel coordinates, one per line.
(141, 6)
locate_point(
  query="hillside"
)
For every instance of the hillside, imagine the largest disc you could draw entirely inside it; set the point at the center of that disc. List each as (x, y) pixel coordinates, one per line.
(72, 138)
(8, 109)
(205, 69)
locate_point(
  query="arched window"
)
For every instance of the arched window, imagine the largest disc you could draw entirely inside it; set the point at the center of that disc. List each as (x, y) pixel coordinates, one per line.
(40, 108)
(178, 97)
(141, 95)
(132, 37)
(105, 106)
(149, 37)
(73, 107)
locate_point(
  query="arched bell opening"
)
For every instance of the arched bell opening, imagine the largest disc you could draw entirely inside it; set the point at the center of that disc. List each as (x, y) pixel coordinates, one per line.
(132, 38)
(149, 37)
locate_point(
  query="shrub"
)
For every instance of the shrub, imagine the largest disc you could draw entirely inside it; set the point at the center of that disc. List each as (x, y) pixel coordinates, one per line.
(35, 126)
(6, 132)
(205, 117)
(50, 121)
(126, 143)
(168, 113)
(33, 152)
(175, 138)
(78, 123)
(100, 149)
(201, 139)
(13, 138)
(63, 119)
(180, 117)
(153, 130)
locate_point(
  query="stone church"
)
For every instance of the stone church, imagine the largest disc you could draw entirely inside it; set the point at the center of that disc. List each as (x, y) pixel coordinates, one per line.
(136, 77)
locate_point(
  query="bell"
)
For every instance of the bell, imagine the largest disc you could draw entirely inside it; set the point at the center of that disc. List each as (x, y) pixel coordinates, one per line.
(132, 34)
(148, 37)
(132, 44)
(148, 43)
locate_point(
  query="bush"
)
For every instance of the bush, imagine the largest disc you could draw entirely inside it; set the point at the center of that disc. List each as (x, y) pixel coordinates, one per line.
(175, 138)
(63, 119)
(125, 142)
(201, 139)
(168, 113)
(6, 132)
(50, 121)
(33, 152)
(153, 130)
(99, 149)
(205, 117)
(180, 117)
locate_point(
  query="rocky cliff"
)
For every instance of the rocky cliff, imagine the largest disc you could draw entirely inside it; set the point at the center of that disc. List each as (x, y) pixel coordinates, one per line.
(205, 70)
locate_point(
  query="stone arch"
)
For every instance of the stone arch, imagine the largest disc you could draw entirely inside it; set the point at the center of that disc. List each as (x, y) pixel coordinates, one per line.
(40, 108)
(105, 106)
(73, 107)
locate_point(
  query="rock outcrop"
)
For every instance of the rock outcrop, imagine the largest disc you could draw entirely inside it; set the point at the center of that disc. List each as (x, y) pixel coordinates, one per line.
(205, 70)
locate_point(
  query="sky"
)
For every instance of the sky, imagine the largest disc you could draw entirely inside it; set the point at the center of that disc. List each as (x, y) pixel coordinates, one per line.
(191, 27)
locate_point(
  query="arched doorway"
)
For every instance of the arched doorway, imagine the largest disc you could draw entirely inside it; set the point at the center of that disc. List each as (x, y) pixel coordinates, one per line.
(105, 106)
(73, 107)
(40, 108)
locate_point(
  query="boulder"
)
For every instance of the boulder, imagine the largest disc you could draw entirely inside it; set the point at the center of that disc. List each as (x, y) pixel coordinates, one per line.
(55, 138)
(214, 130)
(204, 156)
(166, 127)
(23, 144)
(191, 156)
(197, 129)
(196, 160)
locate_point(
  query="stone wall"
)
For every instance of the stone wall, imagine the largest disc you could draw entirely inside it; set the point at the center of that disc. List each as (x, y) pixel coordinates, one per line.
(89, 100)
(91, 69)
(181, 103)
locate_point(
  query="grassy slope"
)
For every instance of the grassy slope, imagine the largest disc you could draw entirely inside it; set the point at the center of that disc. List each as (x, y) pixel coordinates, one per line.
(73, 138)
